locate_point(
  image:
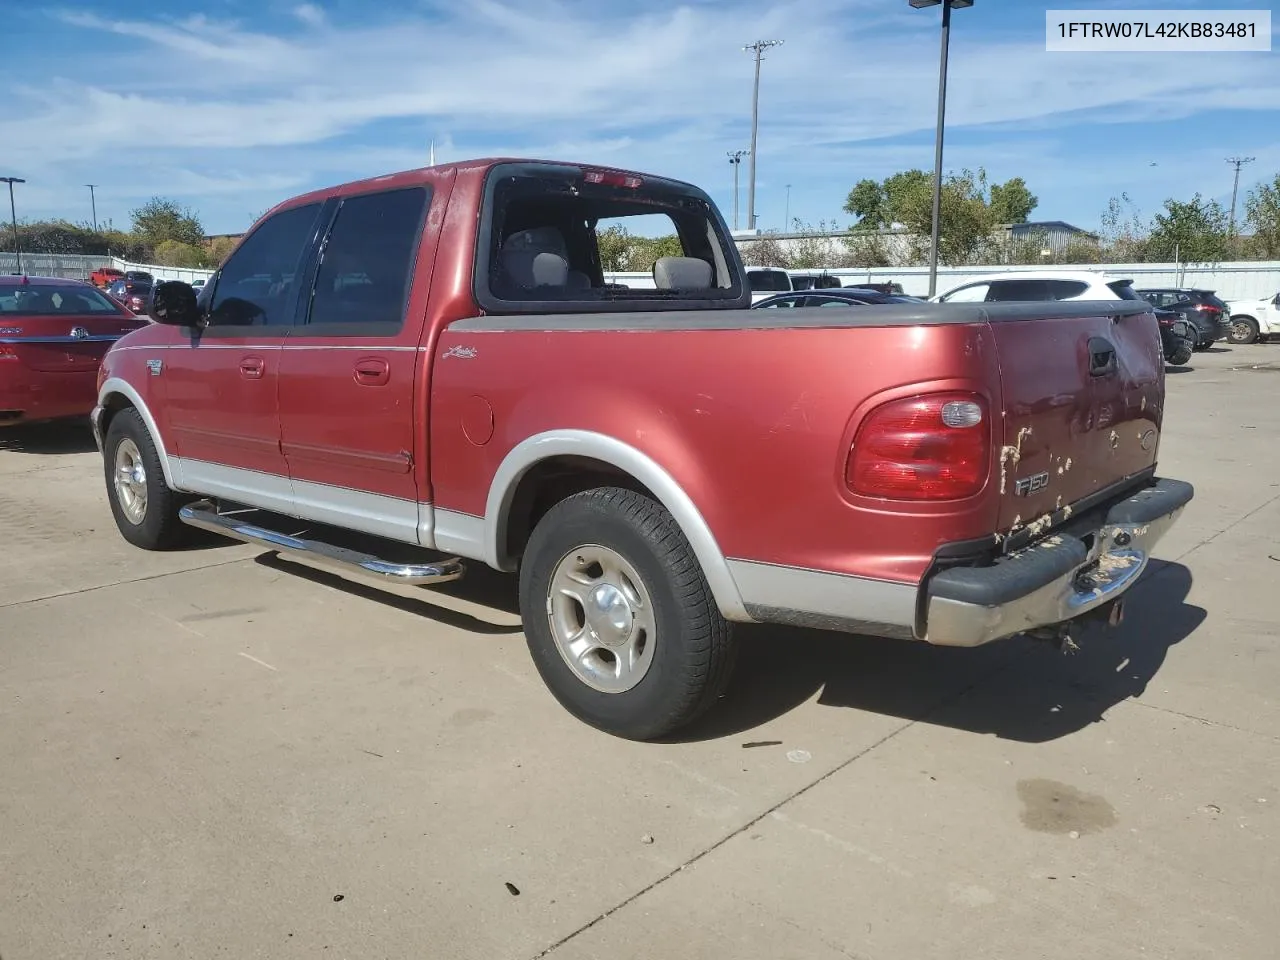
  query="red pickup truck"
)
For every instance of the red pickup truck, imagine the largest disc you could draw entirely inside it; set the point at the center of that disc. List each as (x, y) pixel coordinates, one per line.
(434, 359)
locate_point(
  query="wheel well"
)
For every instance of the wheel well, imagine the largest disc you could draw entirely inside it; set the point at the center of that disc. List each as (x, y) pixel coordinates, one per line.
(548, 482)
(113, 405)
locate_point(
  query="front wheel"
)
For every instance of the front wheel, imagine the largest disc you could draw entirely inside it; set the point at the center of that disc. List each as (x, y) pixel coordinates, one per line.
(144, 507)
(1243, 330)
(619, 618)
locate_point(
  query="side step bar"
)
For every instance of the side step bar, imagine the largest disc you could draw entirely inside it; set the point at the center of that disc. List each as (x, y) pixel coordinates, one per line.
(205, 516)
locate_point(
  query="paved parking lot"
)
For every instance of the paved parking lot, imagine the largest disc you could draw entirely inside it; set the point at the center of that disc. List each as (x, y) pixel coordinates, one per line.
(218, 753)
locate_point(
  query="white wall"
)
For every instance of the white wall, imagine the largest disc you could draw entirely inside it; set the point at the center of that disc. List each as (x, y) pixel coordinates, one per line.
(163, 273)
(1232, 281)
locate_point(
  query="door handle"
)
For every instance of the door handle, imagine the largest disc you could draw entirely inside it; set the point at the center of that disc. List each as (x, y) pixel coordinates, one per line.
(372, 372)
(1102, 357)
(251, 368)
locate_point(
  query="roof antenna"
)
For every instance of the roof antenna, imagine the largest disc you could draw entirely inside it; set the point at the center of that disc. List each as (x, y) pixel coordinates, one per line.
(432, 163)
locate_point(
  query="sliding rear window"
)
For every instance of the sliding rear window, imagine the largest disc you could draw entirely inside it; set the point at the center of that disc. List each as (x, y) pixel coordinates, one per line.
(549, 235)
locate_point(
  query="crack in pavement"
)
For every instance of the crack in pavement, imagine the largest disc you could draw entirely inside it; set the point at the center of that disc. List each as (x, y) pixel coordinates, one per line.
(1135, 702)
(120, 583)
(796, 794)
(1227, 529)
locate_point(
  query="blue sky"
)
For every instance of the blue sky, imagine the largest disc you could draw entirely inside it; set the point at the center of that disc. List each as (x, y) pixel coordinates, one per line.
(231, 105)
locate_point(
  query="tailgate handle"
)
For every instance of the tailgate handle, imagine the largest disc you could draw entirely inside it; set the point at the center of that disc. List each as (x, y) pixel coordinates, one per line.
(1102, 357)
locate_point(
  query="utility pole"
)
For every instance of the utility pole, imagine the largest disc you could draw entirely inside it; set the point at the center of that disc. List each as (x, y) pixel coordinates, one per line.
(1236, 162)
(13, 213)
(759, 47)
(735, 158)
(786, 219)
(93, 203)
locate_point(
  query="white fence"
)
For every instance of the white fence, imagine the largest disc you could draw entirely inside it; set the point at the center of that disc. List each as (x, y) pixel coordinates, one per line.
(1243, 280)
(69, 266)
(163, 273)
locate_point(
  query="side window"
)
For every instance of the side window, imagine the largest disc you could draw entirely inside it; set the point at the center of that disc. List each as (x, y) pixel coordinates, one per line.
(832, 302)
(974, 293)
(783, 304)
(1019, 290)
(1066, 289)
(256, 285)
(366, 268)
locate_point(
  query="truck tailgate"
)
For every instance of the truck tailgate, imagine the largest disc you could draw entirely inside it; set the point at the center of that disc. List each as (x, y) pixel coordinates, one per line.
(1083, 398)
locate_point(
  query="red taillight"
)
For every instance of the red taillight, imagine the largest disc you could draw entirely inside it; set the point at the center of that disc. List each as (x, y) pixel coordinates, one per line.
(610, 178)
(1165, 321)
(1208, 308)
(7, 352)
(931, 447)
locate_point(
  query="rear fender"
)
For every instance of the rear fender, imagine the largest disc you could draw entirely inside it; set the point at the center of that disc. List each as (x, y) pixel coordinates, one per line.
(598, 446)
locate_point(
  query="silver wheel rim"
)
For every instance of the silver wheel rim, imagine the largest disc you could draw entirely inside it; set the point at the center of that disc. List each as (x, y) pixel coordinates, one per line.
(1241, 330)
(130, 481)
(601, 618)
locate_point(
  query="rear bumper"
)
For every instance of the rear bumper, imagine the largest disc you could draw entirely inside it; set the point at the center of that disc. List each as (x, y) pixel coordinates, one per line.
(1057, 579)
(28, 395)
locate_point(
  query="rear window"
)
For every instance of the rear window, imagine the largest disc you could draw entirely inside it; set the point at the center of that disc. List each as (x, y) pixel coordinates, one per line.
(769, 281)
(549, 232)
(1124, 290)
(52, 301)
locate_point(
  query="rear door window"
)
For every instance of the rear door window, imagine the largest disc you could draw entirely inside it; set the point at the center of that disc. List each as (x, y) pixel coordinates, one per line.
(770, 281)
(366, 266)
(1019, 290)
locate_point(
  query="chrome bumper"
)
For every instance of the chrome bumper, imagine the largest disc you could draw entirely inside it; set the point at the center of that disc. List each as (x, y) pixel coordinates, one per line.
(95, 420)
(1057, 579)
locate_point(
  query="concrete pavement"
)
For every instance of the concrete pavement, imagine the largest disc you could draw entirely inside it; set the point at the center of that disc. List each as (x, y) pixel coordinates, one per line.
(216, 753)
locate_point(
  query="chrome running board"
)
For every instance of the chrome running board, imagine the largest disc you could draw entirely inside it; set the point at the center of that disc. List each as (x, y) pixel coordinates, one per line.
(205, 516)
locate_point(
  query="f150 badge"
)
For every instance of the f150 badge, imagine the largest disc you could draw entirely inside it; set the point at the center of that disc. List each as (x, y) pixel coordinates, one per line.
(1029, 485)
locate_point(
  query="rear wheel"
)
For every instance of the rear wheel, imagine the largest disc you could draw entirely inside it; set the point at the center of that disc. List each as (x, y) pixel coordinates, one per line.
(1243, 330)
(619, 618)
(1180, 355)
(145, 509)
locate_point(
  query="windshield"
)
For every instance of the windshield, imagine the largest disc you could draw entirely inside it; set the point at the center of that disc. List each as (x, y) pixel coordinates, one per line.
(772, 281)
(52, 301)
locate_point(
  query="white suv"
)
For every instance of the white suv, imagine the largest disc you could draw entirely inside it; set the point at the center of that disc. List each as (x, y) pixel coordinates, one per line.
(1041, 285)
(1253, 320)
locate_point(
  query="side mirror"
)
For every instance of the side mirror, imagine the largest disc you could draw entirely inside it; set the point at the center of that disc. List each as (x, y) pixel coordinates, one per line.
(174, 303)
(1276, 300)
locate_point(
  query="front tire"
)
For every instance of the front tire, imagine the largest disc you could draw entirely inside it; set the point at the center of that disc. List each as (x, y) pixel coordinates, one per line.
(619, 618)
(145, 509)
(1243, 330)
(1180, 356)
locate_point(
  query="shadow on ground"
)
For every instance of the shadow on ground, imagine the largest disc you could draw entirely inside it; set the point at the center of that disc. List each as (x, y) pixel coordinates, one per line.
(1172, 369)
(1017, 689)
(58, 437)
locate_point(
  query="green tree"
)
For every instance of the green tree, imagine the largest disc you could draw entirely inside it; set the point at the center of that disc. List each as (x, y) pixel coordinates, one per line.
(615, 247)
(1012, 202)
(159, 220)
(1262, 215)
(219, 249)
(172, 253)
(1193, 231)
(1124, 235)
(970, 210)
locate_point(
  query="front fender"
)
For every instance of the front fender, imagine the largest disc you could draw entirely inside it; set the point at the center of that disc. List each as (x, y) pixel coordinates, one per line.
(117, 387)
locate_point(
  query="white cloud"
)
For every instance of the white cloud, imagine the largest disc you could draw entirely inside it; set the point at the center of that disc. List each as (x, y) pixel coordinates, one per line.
(663, 88)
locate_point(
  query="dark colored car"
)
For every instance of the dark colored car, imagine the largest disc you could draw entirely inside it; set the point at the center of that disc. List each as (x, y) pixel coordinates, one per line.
(1207, 314)
(892, 288)
(844, 297)
(134, 294)
(1177, 336)
(139, 275)
(53, 334)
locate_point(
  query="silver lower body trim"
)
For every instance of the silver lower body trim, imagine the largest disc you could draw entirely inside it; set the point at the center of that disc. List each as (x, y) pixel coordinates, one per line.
(95, 421)
(205, 516)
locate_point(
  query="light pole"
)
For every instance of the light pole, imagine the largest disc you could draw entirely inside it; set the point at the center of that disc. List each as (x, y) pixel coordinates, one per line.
(947, 5)
(759, 47)
(13, 213)
(735, 158)
(786, 217)
(93, 203)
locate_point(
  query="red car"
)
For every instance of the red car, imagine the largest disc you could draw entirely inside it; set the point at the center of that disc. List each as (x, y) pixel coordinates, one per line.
(434, 359)
(53, 334)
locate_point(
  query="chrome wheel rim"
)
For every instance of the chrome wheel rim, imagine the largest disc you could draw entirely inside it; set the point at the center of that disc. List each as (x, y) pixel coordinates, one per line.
(130, 481)
(1241, 331)
(602, 618)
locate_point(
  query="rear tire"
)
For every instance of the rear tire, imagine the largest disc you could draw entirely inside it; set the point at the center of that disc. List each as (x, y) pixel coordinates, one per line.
(1202, 346)
(1181, 355)
(144, 507)
(619, 618)
(1243, 330)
